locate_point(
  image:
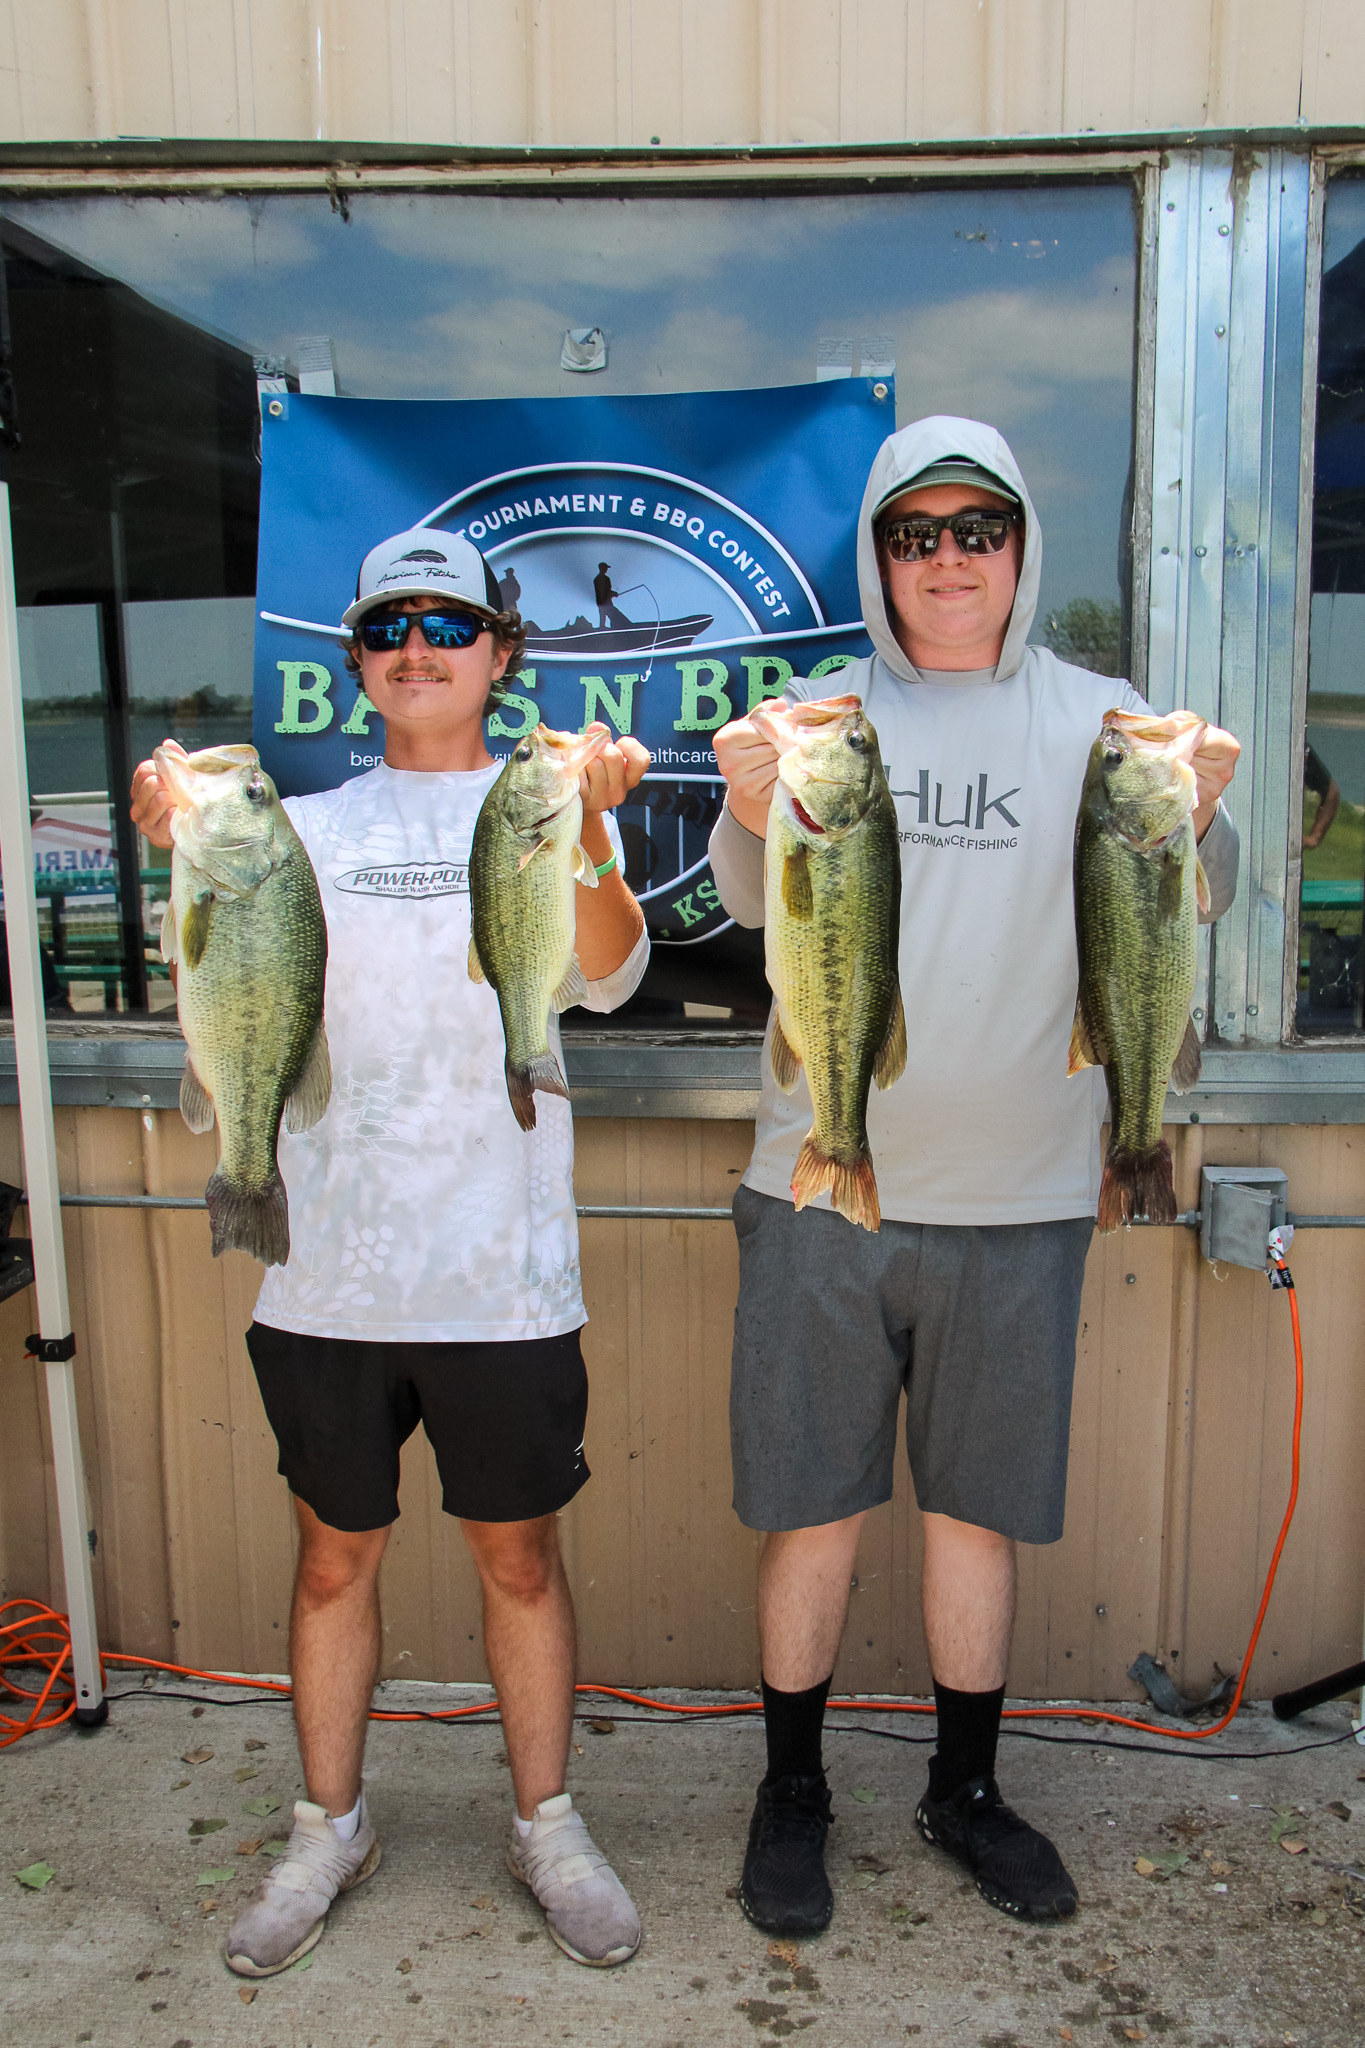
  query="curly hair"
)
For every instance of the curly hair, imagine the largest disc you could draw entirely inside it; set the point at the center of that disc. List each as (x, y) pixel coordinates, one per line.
(507, 630)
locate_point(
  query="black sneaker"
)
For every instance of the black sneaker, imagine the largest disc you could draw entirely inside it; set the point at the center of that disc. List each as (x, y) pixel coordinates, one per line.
(1015, 1867)
(784, 1889)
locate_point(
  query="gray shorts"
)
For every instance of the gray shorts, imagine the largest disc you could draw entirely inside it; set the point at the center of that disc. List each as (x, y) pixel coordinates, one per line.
(976, 1324)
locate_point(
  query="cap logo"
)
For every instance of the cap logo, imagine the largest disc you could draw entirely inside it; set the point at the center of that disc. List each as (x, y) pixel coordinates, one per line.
(423, 555)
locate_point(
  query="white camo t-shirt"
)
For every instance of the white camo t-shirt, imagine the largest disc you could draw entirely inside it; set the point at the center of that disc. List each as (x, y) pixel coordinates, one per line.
(418, 1210)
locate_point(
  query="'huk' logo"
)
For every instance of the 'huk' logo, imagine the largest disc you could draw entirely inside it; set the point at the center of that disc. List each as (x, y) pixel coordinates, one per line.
(977, 803)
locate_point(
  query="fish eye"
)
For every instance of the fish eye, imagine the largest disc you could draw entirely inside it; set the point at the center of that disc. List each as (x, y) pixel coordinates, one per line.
(857, 740)
(523, 753)
(255, 790)
(1112, 757)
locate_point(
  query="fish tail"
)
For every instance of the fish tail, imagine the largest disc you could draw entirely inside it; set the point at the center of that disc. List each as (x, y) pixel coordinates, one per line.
(254, 1220)
(1137, 1184)
(852, 1186)
(523, 1081)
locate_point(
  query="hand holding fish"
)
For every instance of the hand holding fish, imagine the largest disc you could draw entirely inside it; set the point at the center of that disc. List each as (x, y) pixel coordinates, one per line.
(608, 780)
(747, 759)
(153, 805)
(1214, 763)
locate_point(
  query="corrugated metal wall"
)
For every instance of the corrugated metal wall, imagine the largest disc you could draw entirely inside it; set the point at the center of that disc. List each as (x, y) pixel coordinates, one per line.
(680, 71)
(1180, 1442)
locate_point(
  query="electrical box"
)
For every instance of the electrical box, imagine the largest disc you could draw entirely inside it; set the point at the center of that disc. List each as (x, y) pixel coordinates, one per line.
(1239, 1207)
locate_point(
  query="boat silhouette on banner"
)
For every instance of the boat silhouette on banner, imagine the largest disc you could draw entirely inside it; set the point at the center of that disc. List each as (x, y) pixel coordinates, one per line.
(651, 637)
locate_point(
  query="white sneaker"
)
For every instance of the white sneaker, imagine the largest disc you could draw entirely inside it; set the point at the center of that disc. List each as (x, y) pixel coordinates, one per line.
(285, 1918)
(587, 1908)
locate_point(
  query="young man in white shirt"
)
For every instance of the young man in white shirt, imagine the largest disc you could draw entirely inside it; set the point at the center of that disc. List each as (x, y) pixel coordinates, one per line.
(433, 1272)
(987, 1160)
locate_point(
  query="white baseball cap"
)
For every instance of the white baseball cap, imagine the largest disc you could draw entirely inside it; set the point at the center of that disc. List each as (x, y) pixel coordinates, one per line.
(424, 562)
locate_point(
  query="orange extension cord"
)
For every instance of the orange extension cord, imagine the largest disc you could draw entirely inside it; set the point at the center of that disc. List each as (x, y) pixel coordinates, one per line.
(38, 1637)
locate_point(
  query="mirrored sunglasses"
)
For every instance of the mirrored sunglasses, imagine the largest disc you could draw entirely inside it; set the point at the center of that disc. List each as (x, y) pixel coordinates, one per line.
(386, 632)
(976, 533)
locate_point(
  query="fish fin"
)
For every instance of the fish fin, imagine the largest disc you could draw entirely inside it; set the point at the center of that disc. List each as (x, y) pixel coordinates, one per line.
(196, 1104)
(783, 1058)
(573, 988)
(1188, 1060)
(247, 1220)
(1202, 891)
(1083, 1051)
(170, 951)
(1136, 1184)
(476, 972)
(522, 1082)
(194, 936)
(539, 847)
(584, 868)
(852, 1189)
(797, 894)
(313, 1090)
(889, 1064)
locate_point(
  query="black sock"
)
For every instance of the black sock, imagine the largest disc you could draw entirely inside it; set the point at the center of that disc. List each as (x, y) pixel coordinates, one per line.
(968, 1728)
(793, 1722)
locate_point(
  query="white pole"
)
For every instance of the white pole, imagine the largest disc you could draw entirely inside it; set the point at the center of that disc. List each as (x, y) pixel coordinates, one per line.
(54, 1341)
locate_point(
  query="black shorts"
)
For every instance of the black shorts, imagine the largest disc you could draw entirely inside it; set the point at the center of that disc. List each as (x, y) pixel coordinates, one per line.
(505, 1420)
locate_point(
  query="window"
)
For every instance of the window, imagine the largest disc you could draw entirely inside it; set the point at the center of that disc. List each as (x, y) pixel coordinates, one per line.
(1330, 974)
(138, 327)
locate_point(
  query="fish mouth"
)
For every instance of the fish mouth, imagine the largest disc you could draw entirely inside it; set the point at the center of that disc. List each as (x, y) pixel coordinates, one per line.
(181, 772)
(805, 817)
(1180, 735)
(783, 725)
(573, 751)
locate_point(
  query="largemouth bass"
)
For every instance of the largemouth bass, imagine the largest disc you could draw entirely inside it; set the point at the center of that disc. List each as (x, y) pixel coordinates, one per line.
(1139, 889)
(246, 929)
(523, 866)
(832, 896)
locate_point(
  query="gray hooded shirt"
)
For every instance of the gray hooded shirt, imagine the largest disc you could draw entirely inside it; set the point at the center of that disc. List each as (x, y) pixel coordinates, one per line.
(986, 768)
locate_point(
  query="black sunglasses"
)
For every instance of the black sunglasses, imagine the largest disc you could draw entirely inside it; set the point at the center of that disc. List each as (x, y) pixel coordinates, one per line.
(977, 533)
(386, 632)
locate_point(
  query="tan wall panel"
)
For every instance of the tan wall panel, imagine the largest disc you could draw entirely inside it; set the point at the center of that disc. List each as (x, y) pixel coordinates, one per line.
(1179, 1456)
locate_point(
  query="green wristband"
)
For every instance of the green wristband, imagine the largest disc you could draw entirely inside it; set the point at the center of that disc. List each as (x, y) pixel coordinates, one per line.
(608, 864)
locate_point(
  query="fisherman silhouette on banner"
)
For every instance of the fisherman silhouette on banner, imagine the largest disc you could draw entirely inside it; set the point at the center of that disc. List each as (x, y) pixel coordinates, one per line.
(608, 614)
(509, 590)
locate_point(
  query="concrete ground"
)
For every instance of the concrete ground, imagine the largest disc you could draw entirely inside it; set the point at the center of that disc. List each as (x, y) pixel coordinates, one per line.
(1225, 1935)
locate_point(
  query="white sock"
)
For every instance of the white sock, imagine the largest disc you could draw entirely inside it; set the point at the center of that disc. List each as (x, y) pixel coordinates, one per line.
(523, 1827)
(347, 1823)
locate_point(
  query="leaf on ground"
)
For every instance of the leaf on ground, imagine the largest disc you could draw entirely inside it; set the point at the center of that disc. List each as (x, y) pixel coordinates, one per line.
(864, 1878)
(262, 1807)
(36, 1875)
(601, 1726)
(1134, 2034)
(1285, 1817)
(1219, 1869)
(863, 1796)
(1292, 1845)
(197, 1756)
(244, 1772)
(785, 1952)
(246, 1992)
(303, 1963)
(250, 1846)
(1162, 1863)
(1339, 1808)
(180, 1784)
(1105, 1965)
(254, 1742)
(482, 1903)
(1318, 1917)
(206, 1827)
(275, 1848)
(866, 1860)
(404, 1967)
(215, 1876)
(1065, 2034)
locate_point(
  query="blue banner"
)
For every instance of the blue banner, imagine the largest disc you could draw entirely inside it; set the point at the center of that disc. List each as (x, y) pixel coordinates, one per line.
(725, 525)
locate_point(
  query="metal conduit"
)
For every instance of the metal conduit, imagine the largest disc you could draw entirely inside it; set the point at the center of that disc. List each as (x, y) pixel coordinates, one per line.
(1189, 1219)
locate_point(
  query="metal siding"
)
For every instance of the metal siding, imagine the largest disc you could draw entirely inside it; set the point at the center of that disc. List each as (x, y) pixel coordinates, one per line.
(689, 71)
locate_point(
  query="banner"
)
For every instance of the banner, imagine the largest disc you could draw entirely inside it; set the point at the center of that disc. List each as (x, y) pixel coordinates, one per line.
(676, 560)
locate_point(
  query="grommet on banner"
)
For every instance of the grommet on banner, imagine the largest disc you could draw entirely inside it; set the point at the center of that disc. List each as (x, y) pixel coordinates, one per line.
(50, 1350)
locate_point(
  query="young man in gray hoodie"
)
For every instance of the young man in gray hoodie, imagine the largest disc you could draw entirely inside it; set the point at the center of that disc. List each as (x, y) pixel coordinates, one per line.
(988, 1165)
